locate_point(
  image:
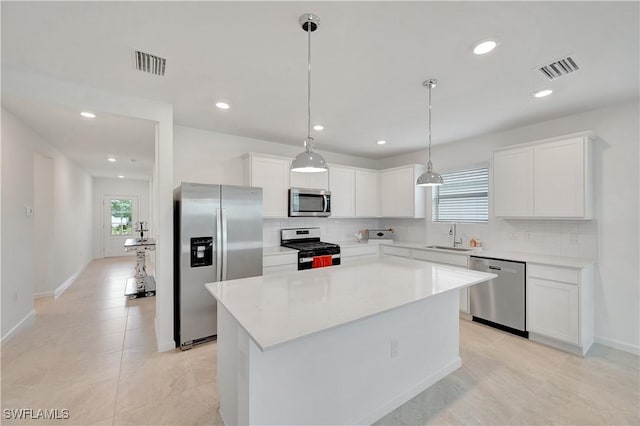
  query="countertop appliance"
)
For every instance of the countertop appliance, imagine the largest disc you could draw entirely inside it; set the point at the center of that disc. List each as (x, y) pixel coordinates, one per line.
(312, 253)
(218, 237)
(309, 202)
(500, 302)
(380, 234)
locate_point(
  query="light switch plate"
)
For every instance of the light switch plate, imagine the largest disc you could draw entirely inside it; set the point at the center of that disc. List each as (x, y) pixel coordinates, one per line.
(28, 211)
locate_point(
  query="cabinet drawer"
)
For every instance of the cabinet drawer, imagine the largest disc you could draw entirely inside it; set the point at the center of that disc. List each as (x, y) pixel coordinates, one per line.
(279, 268)
(434, 256)
(281, 259)
(564, 275)
(396, 251)
(361, 250)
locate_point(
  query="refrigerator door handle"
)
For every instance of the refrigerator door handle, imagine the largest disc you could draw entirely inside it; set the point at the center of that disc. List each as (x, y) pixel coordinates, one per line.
(224, 244)
(218, 244)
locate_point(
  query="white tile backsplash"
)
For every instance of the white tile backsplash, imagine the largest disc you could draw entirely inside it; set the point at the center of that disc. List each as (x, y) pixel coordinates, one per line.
(332, 230)
(568, 238)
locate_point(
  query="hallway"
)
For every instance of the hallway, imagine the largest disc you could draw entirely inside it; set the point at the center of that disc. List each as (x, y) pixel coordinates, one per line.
(93, 352)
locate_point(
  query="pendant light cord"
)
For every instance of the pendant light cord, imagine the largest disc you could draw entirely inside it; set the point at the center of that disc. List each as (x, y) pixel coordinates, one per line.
(430, 85)
(309, 138)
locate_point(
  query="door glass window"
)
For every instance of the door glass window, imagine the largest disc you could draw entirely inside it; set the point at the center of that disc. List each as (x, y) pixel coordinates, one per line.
(121, 217)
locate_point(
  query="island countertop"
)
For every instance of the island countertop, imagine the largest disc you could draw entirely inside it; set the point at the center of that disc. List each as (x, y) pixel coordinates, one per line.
(280, 308)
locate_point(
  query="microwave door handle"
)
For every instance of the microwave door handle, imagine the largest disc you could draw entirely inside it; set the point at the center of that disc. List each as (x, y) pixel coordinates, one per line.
(325, 204)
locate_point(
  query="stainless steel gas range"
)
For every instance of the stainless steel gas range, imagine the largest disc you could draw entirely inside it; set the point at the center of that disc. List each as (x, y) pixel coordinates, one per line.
(312, 253)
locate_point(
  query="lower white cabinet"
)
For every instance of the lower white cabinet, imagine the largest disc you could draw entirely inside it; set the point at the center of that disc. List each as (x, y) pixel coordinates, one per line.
(351, 255)
(280, 262)
(560, 306)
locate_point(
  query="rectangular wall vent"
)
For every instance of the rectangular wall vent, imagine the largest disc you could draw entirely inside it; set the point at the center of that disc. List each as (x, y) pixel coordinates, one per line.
(559, 68)
(150, 63)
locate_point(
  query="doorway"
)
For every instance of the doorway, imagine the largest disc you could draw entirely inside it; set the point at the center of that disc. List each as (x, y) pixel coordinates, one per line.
(119, 214)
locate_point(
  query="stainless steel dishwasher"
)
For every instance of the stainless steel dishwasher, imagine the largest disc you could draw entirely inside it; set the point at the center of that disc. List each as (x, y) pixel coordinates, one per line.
(500, 302)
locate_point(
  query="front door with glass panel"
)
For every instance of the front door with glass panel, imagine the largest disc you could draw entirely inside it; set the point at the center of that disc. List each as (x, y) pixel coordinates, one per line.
(119, 213)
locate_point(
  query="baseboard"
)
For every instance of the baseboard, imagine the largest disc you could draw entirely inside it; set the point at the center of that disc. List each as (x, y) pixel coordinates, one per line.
(22, 323)
(62, 287)
(616, 344)
(411, 393)
(44, 295)
(163, 346)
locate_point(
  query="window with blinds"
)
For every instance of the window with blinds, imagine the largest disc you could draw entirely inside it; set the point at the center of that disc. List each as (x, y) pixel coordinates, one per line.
(464, 197)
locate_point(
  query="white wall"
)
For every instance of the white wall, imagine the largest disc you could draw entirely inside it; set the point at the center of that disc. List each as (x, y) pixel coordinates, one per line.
(71, 237)
(43, 222)
(611, 236)
(130, 187)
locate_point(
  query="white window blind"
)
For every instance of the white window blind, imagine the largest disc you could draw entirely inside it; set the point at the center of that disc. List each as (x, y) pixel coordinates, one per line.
(464, 197)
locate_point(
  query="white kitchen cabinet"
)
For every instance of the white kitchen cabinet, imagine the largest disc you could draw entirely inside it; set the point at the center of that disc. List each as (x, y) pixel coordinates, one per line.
(310, 180)
(449, 259)
(513, 183)
(342, 184)
(560, 306)
(350, 255)
(272, 175)
(280, 262)
(562, 179)
(550, 179)
(367, 193)
(399, 195)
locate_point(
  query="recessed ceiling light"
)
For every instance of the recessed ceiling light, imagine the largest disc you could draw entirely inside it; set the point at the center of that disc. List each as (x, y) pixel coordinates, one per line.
(381, 142)
(484, 47)
(113, 160)
(222, 105)
(120, 177)
(542, 93)
(86, 114)
(318, 127)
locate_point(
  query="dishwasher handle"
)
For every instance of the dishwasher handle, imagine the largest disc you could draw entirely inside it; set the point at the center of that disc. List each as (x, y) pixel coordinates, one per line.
(497, 268)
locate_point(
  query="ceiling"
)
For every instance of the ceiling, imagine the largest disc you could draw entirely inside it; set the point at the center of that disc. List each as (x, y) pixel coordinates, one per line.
(89, 142)
(369, 61)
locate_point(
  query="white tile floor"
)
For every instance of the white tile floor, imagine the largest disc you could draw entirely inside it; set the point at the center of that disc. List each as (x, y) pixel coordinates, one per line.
(92, 352)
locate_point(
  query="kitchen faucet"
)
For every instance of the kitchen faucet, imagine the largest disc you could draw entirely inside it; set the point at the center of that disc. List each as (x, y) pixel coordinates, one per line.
(452, 232)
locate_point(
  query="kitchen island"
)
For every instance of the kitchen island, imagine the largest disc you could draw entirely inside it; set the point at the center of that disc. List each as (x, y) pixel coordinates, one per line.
(337, 345)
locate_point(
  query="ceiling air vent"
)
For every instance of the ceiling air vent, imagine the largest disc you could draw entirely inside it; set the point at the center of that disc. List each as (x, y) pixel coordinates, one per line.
(559, 68)
(150, 63)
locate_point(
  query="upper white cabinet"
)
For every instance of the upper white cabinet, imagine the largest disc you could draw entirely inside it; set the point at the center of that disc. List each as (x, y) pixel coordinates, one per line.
(342, 184)
(513, 182)
(309, 180)
(400, 197)
(272, 175)
(562, 179)
(549, 179)
(367, 193)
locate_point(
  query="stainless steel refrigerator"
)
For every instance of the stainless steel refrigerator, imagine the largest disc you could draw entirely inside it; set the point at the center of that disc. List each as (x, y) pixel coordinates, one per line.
(218, 237)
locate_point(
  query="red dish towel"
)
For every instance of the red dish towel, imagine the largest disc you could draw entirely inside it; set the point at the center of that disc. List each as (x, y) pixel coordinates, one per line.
(322, 261)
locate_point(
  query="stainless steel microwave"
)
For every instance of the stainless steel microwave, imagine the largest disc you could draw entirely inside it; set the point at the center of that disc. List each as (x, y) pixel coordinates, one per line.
(309, 202)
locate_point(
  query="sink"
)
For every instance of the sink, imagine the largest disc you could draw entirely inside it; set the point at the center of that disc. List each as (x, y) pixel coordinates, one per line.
(459, 249)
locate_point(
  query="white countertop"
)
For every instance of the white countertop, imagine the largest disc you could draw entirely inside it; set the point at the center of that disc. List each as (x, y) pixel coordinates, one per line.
(277, 309)
(277, 250)
(569, 262)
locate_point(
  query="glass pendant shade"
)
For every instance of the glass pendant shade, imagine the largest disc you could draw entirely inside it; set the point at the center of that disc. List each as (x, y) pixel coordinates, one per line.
(429, 178)
(309, 162)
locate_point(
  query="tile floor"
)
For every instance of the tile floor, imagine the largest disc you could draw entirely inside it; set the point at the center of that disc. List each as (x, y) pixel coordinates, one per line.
(92, 352)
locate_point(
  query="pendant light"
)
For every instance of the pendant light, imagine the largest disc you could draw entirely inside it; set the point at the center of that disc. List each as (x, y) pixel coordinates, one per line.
(430, 178)
(309, 161)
